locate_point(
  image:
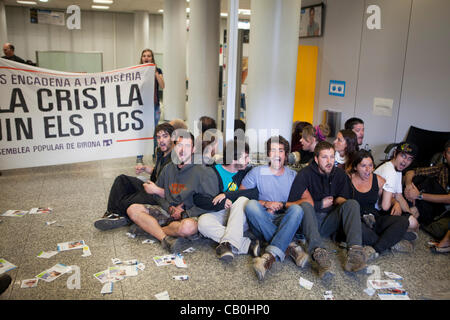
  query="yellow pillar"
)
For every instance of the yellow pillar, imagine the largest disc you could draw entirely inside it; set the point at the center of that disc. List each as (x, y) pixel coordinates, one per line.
(305, 84)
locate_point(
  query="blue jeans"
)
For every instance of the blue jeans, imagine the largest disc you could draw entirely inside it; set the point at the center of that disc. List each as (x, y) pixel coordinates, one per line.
(277, 229)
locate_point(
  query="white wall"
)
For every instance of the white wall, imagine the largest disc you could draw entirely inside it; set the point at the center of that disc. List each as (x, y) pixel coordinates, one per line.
(107, 32)
(425, 98)
(405, 61)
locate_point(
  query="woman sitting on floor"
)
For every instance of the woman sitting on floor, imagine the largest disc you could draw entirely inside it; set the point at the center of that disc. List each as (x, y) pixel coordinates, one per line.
(380, 229)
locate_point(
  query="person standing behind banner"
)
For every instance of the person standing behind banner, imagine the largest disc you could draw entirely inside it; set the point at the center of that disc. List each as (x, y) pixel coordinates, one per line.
(148, 57)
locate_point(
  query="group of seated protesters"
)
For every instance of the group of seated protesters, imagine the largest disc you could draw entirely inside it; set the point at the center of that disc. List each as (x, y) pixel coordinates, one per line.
(264, 210)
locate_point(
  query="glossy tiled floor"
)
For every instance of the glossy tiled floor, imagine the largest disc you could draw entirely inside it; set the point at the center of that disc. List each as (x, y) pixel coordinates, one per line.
(78, 194)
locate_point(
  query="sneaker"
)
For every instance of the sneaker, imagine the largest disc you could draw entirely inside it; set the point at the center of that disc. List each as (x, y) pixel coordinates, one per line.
(111, 221)
(174, 245)
(370, 253)
(263, 264)
(411, 236)
(224, 252)
(297, 254)
(5, 281)
(403, 246)
(255, 248)
(320, 256)
(356, 259)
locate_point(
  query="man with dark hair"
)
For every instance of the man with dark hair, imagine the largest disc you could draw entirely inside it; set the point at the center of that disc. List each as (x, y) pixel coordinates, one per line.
(324, 193)
(180, 181)
(357, 125)
(127, 190)
(391, 171)
(8, 50)
(225, 223)
(270, 219)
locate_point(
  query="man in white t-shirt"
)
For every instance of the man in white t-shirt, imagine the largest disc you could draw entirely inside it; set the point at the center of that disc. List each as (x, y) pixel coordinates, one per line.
(391, 171)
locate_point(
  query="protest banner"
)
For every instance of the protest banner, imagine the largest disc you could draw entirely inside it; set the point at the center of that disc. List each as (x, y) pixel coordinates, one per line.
(49, 117)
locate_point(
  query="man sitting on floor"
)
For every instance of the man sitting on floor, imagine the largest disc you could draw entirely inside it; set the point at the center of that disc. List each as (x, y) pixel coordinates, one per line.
(127, 190)
(225, 221)
(324, 193)
(269, 218)
(181, 180)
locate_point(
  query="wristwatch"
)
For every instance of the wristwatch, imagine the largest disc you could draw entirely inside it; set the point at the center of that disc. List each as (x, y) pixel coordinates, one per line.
(420, 196)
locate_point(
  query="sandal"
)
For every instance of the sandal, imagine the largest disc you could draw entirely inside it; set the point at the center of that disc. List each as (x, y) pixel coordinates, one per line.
(440, 250)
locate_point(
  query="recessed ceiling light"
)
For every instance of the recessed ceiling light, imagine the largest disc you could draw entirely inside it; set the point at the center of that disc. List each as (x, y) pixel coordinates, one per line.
(161, 10)
(26, 2)
(104, 1)
(224, 14)
(100, 7)
(43, 0)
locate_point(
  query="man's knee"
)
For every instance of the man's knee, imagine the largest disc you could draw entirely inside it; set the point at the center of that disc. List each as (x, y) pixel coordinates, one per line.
(295, 212)
(204, 222)
(135, 210)
(252, 208)
(187, 227)
(413, 223)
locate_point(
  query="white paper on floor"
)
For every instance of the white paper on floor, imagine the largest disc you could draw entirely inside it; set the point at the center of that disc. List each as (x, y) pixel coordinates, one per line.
(29, 283)
(305, 283)
(162, 295)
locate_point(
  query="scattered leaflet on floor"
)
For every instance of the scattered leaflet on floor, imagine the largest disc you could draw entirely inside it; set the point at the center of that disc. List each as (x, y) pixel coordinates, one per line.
(390, 296)
(46, 254)
(14, 213)
(305, 283)
(86, 251)
(189, 250)
(164, 260)
(393, 275)
(328, 295)
(384, 284)
(72, 245)
(107, 288)
(162, 295)
(29, 283)
(40, 210)
(181, 277)
(148, 241)
(54, 272)
(179, 261)
(50, 222)
(5, 266)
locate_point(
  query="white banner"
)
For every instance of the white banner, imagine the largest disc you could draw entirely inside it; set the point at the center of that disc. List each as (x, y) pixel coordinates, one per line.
(50, 117)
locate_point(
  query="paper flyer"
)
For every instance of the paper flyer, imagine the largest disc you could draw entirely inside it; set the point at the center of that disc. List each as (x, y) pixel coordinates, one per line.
(72, 245)
(5, 266)
(54, 272)
(14, 213)
(40, 210)
(29, 283)
(46, 254)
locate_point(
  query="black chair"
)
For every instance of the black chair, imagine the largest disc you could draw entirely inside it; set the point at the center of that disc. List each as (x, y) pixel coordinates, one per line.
(429, 143)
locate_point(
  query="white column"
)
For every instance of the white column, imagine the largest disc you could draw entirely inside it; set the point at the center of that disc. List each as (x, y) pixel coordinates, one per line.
(203, 57)
(3, 31)
(174, 57)
(231, 69)
(141, 33)
(273, 48)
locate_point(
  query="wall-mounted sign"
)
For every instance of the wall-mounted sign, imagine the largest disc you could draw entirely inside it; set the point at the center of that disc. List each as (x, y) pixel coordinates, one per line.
(336, 88)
